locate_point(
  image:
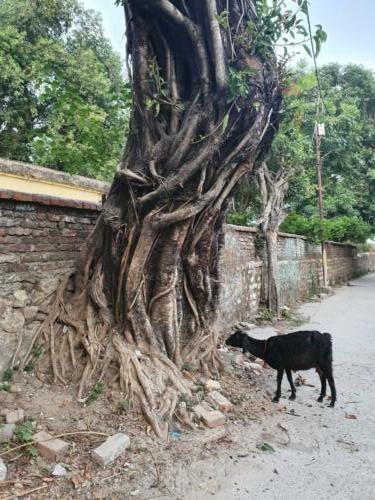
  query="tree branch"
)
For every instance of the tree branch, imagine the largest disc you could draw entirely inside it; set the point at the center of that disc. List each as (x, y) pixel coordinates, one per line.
(171, 11)
(217, 46)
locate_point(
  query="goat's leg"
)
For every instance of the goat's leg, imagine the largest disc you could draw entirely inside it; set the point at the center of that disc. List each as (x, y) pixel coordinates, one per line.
(280, 374)
(292, 387)
(331, 382)
(323, 382)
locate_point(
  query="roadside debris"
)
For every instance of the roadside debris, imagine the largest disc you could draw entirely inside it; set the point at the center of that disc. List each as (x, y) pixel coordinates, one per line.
(266, 447)
(14, 417)
(59, 471)
(299, 381)
(212, 385)
(220, 402)
(49, 447)
(6, 432)
(210, 418)
(112, 448)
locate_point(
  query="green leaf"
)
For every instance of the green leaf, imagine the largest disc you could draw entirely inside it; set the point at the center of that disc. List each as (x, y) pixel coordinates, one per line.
(265, 447)
(307, 48)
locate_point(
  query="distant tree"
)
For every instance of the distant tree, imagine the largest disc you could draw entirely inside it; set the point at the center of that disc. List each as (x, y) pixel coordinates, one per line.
(348, 150)
(272, 187)
(63, 100)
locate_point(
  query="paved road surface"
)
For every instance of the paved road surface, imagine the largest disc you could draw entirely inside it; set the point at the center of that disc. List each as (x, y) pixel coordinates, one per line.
(327, 455)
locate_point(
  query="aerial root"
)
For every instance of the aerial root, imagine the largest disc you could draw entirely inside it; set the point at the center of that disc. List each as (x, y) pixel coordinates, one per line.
(142, 375)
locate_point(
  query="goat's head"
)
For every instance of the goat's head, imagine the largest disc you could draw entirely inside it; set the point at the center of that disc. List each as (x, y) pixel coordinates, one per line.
(236, 339)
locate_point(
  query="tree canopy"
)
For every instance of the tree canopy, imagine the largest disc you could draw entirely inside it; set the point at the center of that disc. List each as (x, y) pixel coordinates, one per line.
(63, 99)
(347, 150)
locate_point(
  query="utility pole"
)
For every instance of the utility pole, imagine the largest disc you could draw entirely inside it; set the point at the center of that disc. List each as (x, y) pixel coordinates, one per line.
(319, 133)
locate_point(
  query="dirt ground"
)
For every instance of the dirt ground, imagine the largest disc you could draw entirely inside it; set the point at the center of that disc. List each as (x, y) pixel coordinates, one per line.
(290, 450)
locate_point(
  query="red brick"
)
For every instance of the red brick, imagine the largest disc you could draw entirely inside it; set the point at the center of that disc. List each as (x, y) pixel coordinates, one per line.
(210, 418)
(6, 195)
(22, 197)
(14, 417)
(50, 448)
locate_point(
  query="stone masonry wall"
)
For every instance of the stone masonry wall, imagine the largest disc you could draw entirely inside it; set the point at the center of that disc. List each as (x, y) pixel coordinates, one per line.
(300, 271)
(40, 239)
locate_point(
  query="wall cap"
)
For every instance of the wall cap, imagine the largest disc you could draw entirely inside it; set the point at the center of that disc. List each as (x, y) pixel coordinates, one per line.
(48, 200)
(36, 172)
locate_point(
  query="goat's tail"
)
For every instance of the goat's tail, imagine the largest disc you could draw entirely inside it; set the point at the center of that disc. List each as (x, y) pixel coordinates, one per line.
(327, 342)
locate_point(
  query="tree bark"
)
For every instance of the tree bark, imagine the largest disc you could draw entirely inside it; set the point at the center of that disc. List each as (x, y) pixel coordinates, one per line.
(273, 290)
(273, 188)
(146, 288)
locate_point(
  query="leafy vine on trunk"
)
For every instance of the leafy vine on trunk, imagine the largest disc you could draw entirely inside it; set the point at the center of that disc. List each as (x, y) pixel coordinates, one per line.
(143, 298)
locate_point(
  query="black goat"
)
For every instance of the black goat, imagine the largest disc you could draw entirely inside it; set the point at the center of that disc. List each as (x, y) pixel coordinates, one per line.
(292, 352)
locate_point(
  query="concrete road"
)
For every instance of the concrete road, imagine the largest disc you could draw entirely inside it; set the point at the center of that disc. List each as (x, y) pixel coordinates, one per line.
(329, 456)
(323, 453)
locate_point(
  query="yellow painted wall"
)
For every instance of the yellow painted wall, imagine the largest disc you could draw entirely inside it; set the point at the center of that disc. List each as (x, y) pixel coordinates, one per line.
(21, 184)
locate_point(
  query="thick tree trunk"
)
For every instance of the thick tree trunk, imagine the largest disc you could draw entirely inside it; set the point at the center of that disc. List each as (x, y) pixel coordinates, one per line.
(273, 290)
(146, 290)
(273, 189)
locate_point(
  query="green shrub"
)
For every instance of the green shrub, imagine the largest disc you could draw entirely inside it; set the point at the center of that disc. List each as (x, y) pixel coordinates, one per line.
(7, 375)
(95, 392)
(24, 432)
(238, 218)
(341, 229)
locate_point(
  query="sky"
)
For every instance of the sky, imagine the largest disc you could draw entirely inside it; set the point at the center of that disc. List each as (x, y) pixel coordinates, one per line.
(350, 27)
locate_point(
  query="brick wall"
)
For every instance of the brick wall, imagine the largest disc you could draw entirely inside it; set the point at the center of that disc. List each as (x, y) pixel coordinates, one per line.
(38, 243)
(41, 236)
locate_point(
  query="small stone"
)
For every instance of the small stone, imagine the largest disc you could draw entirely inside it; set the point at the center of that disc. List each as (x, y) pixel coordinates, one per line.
(22, 299)
(30, 313)
(113, 447)
(213, 418)
(59, 470)
(52, 449)
(212, 385)
(3, 470)
(6, 432)
(220, 401)
(14, 417)
(12, 321)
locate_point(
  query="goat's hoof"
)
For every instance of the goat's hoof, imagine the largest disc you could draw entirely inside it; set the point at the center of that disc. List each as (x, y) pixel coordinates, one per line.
(275, 399)
(292, 397)
(320, 399)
